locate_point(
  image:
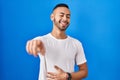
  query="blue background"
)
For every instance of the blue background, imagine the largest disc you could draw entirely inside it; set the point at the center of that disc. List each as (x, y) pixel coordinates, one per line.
(96, 23)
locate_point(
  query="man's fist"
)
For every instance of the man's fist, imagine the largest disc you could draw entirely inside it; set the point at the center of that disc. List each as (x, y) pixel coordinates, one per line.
(34, 47)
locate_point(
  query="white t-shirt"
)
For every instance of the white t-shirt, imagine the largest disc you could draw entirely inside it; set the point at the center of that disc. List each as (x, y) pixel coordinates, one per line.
(64, 53)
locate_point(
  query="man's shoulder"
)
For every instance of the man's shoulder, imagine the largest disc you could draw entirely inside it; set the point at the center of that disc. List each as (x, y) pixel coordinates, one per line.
(75, 40)
(42, 37)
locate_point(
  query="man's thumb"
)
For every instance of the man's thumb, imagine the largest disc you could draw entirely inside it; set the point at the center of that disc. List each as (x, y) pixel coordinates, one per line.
(58, 68)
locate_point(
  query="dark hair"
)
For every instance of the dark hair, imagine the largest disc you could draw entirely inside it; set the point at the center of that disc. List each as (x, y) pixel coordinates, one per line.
(61, 5)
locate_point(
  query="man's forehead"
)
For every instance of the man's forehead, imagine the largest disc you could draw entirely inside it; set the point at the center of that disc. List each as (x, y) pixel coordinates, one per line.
(62, 10)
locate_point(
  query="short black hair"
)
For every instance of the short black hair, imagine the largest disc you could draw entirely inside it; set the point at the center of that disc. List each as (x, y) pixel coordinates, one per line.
(61, 5)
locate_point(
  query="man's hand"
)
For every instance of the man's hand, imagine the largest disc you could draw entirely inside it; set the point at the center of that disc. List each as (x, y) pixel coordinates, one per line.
(59, 75)
(35, 46)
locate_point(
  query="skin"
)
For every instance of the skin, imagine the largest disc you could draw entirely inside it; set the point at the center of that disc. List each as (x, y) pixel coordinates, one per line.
(61, 20)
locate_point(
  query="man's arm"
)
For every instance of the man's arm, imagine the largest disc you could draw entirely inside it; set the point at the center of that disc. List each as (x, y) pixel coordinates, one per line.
(61, 75)
(82, 73)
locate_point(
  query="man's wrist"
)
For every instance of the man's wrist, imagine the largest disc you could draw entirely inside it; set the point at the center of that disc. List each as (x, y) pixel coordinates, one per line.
(69, 76)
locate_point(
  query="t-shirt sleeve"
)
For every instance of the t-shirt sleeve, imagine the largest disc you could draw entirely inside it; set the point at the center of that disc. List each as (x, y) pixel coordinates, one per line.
(80, 55)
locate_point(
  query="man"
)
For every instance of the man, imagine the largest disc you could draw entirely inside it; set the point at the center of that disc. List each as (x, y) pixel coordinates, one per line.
(59, 52)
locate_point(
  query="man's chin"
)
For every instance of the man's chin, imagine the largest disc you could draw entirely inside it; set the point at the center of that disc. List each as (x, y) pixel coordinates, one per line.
(63, 28)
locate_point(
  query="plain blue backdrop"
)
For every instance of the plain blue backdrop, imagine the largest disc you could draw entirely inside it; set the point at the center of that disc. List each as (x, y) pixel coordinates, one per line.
(96, 23)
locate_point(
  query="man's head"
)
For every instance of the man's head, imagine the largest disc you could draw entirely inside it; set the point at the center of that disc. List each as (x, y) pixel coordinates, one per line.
(61, 16)
(61, 5)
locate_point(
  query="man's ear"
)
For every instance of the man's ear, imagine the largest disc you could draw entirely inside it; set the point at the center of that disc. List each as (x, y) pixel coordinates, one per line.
(52, 16)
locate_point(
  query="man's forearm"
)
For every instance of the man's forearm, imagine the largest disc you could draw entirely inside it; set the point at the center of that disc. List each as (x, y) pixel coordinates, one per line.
(61, 75)
(79, 75)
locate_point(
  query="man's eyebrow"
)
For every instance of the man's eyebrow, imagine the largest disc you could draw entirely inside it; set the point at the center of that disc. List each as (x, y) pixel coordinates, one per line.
(64, 13)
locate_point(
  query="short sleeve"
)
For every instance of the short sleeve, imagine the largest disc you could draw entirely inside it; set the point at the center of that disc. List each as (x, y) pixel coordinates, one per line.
(80, 55)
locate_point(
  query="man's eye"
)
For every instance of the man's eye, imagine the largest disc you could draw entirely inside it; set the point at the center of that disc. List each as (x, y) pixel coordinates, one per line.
(61, 15)
(68, 16)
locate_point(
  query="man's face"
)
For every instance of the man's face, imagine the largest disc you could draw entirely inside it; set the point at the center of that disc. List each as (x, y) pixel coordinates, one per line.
(61, 18)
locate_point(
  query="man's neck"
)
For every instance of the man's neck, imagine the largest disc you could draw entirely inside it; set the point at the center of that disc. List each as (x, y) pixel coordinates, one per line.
(59, 34)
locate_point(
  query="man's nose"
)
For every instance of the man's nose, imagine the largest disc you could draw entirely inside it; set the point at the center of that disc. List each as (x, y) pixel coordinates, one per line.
(65, 18)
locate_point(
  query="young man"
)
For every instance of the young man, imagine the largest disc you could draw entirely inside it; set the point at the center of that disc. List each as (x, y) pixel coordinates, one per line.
(59, 52)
